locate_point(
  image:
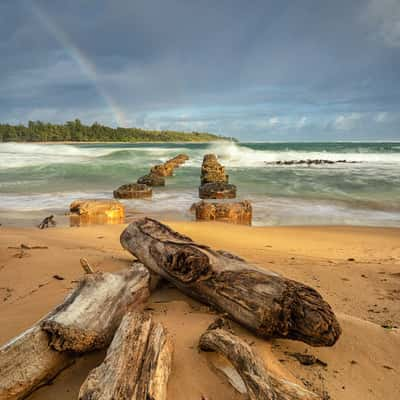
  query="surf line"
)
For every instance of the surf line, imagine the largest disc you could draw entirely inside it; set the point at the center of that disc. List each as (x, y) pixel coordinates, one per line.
(84, 63)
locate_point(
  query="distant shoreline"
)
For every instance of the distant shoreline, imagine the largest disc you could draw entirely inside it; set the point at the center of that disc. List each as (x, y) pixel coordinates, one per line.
(142, 142)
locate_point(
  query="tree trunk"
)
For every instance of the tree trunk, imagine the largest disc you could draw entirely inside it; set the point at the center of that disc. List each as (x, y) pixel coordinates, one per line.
(259, 383)
(263, 301)
(137, 364)
(27, 362)
(90, 315)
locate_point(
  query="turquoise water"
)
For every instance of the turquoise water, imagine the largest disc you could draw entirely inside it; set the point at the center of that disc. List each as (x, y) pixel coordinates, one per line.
(36, 178)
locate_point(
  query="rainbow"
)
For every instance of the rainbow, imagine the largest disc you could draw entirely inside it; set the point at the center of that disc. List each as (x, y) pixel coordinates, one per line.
(84, 63)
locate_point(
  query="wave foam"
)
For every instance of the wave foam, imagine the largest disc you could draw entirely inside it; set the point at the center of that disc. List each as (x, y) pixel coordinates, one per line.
(234, 155)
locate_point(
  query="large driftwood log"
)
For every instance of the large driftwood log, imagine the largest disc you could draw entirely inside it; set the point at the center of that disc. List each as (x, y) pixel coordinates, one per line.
(89, 317)
(27, 362)
(137, 364)
(260, 384)
(263, 301)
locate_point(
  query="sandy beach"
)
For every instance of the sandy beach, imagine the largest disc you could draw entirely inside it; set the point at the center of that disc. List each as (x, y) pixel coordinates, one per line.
(356, 269)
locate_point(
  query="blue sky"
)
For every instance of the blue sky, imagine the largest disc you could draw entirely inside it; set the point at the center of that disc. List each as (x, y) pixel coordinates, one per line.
(259, 70)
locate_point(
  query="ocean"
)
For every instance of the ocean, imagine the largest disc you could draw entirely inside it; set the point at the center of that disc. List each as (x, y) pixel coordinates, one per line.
(39, 179)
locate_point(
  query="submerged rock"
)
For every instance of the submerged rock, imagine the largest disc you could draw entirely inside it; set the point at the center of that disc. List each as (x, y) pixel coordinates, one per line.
(178, 160)
(163, 170)
(240, 212)
(152, 180)
(133, 191)
(310, 162)
(217, 191)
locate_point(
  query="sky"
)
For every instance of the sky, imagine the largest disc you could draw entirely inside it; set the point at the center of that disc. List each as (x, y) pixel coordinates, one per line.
(257, 70)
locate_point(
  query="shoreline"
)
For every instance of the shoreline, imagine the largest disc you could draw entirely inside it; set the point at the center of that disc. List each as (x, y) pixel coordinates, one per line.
(149, 142)
(356, 269)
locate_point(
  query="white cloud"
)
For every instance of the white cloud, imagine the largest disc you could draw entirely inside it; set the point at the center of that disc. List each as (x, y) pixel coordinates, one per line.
(273, 121)
(301, 122)
(384, 17)
(347, 121)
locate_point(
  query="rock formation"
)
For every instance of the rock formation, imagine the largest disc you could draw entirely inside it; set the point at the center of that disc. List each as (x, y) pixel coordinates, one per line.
(133, 191)
(217, 191)
(236, 212)
(152, 180)
(212, 171)
(163, 170)
(309, 162)
(98, 210)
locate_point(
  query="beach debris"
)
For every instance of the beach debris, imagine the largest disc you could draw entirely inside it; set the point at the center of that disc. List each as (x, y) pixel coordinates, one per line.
(137, 365)
(265, 302)
(98, 211)
(46, 222)
(152, 180)
(88, 318)
(58, 277)
(217, 191)
(307, 359)
(21, 254)
(28, 247)
(6, 293)
(133, 191)
(86, 266)
(27, 362)
(235, 212)
(251, 372)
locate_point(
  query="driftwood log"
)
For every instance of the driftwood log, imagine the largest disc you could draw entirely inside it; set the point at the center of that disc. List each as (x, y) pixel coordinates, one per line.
(90, 315)
(137, 364)
(265, 302)
(27, 362)
(260, 384)
(86, 320)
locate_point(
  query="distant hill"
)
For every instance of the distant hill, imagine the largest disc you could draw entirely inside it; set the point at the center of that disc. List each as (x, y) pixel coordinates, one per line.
(75, 131)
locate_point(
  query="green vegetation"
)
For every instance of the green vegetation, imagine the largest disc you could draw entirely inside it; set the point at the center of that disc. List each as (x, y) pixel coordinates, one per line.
(75, 131)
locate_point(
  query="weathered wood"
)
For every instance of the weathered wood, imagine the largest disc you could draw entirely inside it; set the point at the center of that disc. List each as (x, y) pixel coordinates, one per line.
(263, 301)
(89, 317)
(260, 384)
(86, 266)
(137, 364)
(46, 221)
(27, 362)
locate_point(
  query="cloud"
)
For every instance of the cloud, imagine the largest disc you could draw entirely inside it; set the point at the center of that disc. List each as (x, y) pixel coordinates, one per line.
(384, 16)
(269, 69)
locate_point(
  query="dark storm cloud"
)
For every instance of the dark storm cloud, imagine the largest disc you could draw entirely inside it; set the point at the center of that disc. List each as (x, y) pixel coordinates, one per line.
(259, 70)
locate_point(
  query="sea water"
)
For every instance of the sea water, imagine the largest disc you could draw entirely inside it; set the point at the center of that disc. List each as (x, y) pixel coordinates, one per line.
(38, 179)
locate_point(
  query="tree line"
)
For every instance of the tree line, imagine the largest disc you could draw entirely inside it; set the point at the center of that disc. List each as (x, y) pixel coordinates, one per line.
(75, 131)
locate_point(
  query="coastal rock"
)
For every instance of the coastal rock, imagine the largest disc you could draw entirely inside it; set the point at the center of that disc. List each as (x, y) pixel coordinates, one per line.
(240, 212)
(98, 210)
(152, 180)
(163, 170)
(209, 159)
(133, 191)
(178, 160)
(217, 191)
(212, 171)
(309, 162)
